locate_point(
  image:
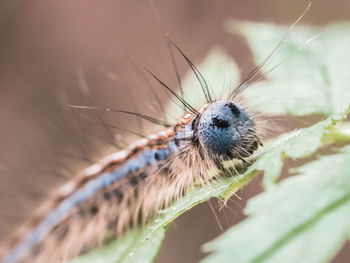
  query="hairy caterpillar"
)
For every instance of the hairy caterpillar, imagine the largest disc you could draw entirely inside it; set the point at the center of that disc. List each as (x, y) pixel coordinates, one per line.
(131, 185)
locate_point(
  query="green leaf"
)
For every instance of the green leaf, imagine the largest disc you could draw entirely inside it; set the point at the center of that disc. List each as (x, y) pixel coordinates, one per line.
(123, 250)
(311, 80)
(302, 219)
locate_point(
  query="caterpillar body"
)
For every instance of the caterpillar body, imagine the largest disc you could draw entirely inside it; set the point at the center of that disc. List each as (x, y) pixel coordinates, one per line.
(130, 186)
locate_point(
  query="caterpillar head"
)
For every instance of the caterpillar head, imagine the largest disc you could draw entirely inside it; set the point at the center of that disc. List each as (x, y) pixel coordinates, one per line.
(227, 130)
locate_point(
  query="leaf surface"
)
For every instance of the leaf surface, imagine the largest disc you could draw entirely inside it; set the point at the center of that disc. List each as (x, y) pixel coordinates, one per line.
(313, 79)
(302, 219)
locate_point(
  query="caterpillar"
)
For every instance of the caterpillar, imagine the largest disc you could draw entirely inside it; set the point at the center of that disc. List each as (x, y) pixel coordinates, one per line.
(128, 187)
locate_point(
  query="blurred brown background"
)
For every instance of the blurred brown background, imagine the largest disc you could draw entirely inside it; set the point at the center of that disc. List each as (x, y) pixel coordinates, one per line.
(49, 48)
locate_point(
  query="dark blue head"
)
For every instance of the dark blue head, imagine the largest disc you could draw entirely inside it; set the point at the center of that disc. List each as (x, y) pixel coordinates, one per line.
(227, 130)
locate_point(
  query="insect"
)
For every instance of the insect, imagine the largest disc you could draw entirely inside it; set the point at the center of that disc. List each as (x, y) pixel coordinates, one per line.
(128, 187)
